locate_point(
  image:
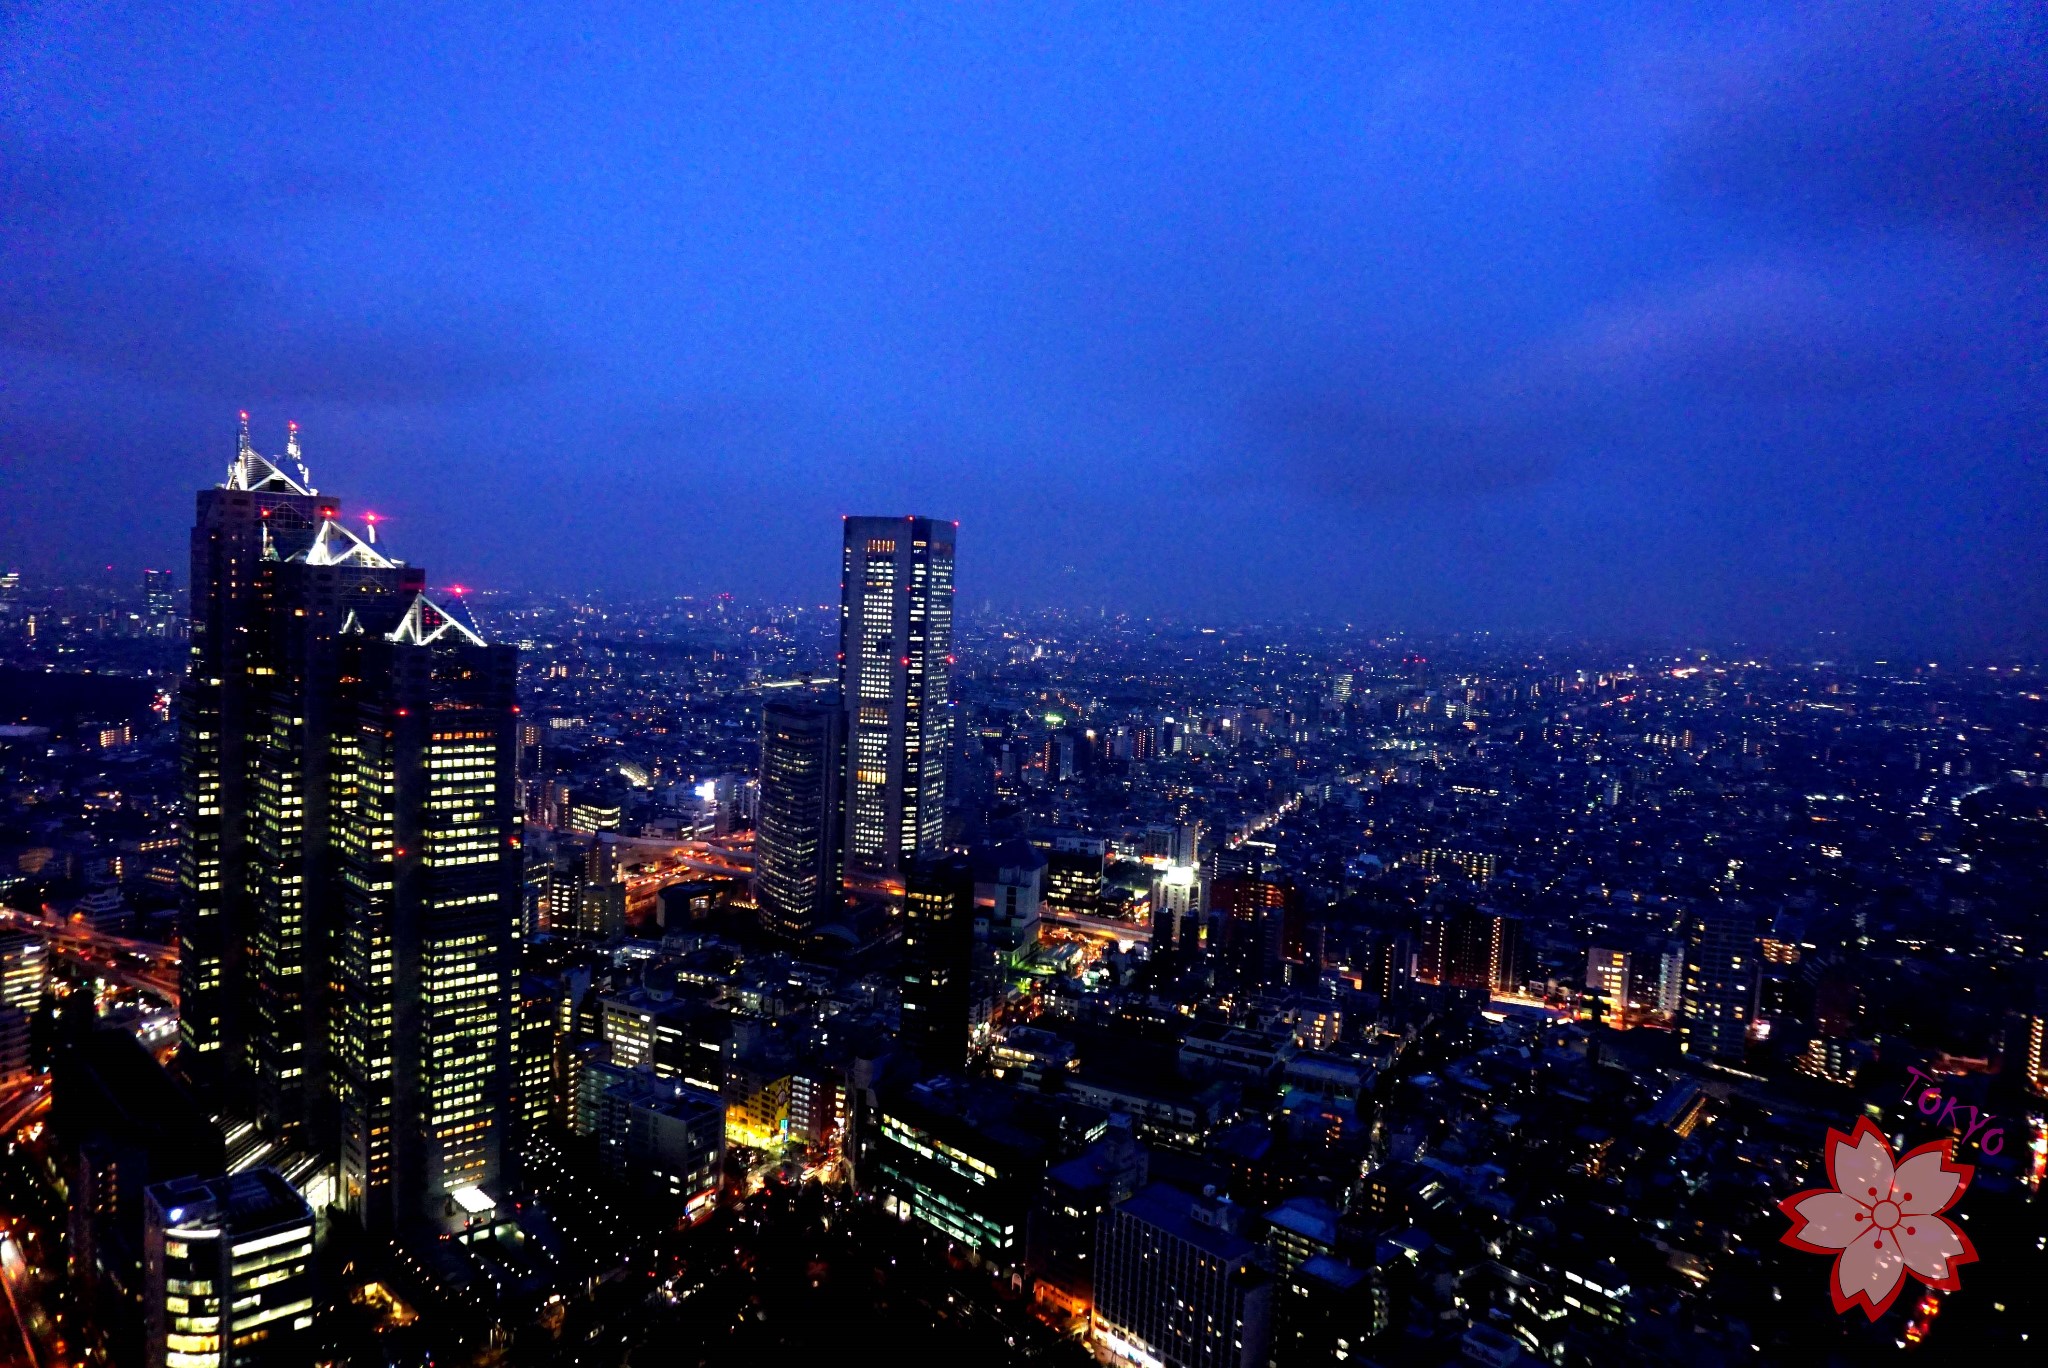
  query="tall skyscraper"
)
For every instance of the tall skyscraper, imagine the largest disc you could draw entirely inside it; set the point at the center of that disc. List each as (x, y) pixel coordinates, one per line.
(1721, 963)
(427, 826)
(938, 961)
(352, 868)
(261, 512)
(797, 846)
(306, 597)
(895, 662)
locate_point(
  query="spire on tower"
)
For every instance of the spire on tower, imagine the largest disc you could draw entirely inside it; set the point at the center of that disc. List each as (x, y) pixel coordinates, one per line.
(246, 448)
(291, 449)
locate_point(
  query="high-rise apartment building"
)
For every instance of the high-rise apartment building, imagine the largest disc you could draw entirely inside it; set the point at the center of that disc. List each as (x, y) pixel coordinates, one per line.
(1472, 948)
(895, 663)
(797, 846)
(1252, 922)
(428, 832)
(1719, 998)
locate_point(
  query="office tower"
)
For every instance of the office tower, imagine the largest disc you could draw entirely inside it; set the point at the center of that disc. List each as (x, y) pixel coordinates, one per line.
(1607, 974)
(229, 1277)
(1074, 866)
(258, 513)
(159, 594)
(938, 959)
(895, 661)
(1721, 962)
(967, 1159)
(428, 835)
(304, 598)
(1177, 1285)
(797, 856)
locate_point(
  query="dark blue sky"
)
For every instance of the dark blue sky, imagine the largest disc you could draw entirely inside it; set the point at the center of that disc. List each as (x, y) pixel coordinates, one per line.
(1626, 317)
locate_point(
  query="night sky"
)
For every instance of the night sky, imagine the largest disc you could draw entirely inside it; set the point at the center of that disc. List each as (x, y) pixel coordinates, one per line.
(1666, 320)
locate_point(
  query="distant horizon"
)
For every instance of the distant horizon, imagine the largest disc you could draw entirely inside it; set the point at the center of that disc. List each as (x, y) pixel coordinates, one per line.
(1809, 650)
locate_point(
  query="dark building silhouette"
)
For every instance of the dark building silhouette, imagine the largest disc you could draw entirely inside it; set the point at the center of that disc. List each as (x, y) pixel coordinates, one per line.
(1467, 947)
(938, 961)
(121, 1122)
(1252, 917)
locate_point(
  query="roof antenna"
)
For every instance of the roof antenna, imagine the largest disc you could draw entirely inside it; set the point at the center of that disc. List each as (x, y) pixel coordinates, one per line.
(246, 449)
(291, 449)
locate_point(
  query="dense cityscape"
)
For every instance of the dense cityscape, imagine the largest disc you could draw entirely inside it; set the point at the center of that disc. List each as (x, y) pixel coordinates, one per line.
(401, 974)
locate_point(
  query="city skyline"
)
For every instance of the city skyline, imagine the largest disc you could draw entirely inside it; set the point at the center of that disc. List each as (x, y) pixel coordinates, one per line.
(1247, 995)
(1479, 796)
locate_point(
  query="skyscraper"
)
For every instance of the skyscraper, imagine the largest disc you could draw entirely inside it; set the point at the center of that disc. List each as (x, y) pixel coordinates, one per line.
(259, 513)
(797, 847)
(427, 826)
(352, 869)
(895, 661)
(305, 598)
(938, 961)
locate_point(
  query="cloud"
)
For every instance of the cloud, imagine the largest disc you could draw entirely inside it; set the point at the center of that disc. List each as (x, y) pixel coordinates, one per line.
(1755, 331)
(1883, 115)
(122, 270)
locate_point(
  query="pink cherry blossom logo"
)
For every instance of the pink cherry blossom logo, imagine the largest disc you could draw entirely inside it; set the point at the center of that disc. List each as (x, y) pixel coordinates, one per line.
(1882, 1218)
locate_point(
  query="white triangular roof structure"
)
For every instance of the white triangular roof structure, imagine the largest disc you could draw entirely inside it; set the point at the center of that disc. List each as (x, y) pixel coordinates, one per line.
(334, 544)
(426, 622)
